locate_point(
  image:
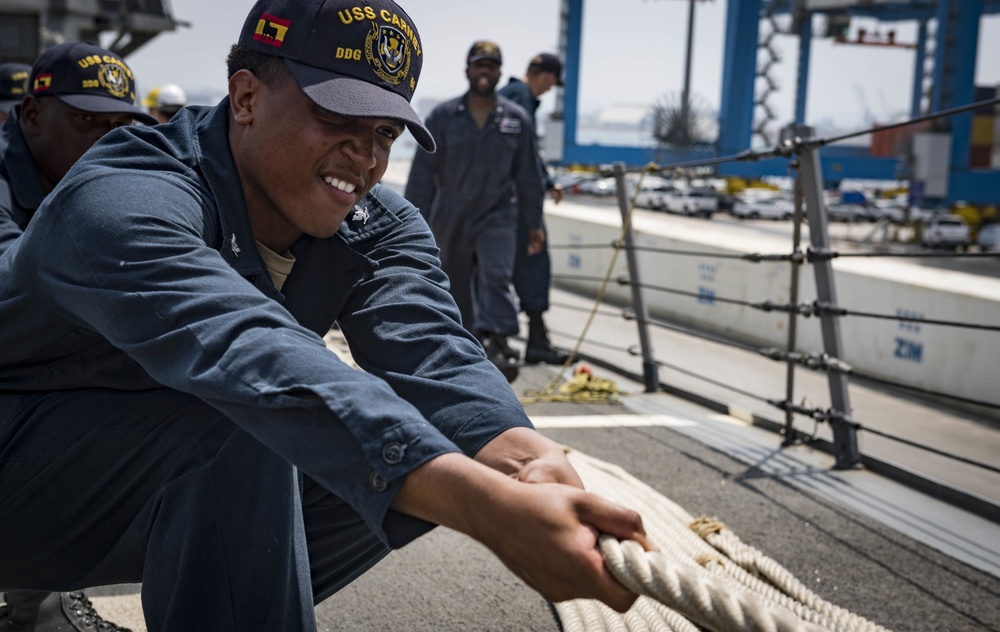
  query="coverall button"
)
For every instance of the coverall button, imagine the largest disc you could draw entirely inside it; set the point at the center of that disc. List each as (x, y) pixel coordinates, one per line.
(378, 483)
(393, 453)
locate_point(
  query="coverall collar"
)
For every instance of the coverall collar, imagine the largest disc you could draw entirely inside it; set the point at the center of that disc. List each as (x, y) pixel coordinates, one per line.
(238, 247)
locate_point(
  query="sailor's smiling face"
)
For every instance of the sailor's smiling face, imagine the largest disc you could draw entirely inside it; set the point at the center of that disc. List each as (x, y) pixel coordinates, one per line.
(302, 168)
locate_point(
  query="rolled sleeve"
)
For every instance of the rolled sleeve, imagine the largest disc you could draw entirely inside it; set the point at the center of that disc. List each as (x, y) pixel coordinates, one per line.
(435, 363)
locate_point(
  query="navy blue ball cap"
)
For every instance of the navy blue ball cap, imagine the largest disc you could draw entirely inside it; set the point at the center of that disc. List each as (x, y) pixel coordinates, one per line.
(13, 84)
(548, 62)
(87, 77)
(355, 58)
(484, 49)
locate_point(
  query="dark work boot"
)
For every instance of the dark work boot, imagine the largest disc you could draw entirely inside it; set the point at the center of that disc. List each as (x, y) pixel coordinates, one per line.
(493, 344)
(539, 349)
(505, 348)
(34, 611)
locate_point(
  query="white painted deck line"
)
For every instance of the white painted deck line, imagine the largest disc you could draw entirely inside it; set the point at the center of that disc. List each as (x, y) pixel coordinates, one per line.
(610, 421)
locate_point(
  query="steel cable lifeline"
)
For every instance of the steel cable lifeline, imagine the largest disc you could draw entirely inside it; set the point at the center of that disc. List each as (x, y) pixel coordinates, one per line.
(813, 361)
(816, 362)
(808, 309)
(810, 255)
(703, 577)
(822, 308)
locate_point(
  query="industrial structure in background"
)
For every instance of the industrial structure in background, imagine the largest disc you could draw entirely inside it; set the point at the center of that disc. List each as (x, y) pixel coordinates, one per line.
(947, 160)
(27, 27)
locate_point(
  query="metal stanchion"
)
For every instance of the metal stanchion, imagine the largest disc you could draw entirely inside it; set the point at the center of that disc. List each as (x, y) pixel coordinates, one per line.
(650, 373)
(845, 437)
(793, 299)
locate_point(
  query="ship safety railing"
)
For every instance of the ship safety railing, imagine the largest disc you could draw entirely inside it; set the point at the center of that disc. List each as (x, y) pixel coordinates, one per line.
(801, 148)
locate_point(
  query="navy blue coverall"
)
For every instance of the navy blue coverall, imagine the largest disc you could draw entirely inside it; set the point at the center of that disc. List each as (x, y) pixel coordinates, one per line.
(167, 416)
(464, 189)
(21, 189)
(532, 273)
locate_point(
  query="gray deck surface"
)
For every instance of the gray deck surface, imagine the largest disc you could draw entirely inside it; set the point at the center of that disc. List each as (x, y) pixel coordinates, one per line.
(789, 504)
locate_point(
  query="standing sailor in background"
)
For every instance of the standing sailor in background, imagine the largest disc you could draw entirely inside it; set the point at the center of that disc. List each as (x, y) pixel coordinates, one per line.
(486, 153)
(533, 271)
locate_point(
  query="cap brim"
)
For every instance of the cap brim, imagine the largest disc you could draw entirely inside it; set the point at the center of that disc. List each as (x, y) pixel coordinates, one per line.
(106, 105)
(353, 97)
(6, 105)
(476, 58)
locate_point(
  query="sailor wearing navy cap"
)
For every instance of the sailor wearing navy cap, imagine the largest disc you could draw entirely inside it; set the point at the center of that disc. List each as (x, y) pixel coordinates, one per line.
(74, 94)
(165, 385)
(532, 276)
(486, 157)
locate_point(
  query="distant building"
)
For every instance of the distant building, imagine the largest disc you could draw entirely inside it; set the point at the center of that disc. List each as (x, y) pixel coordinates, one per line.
(31, 26)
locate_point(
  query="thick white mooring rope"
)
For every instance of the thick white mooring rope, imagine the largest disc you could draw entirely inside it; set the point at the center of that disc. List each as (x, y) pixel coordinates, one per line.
(703, 577)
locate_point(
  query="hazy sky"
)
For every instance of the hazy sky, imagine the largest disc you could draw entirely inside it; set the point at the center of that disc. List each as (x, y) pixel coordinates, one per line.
(633, 53)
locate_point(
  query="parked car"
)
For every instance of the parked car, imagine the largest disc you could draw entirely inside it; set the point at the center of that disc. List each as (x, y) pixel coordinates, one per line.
(570, 182)
(764, 208)
(919, 214)
(700, 202)
(652, 191)
(887, 209)
(846, 212)
(988, 239)
(857, 198)
(945, 231)
(600, 187)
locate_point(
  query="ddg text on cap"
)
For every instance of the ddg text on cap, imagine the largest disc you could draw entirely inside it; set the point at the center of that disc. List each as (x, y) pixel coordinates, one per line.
(351, 58)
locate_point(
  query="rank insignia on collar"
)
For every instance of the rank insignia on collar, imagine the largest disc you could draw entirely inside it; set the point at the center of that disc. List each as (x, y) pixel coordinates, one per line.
(235, 247)
(360, 215)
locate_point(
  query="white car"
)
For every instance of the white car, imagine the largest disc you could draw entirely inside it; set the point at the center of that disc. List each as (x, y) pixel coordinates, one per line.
(846, 212)
(895, 211)
(652, 192)
(945, 231)
(919, 214)
(600, 186)
(764, 208)
(888, 210)
(988, 239)
(700, 202)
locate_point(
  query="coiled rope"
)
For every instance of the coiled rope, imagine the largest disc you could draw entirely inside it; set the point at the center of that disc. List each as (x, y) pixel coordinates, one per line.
(583, 388)
(703, 578)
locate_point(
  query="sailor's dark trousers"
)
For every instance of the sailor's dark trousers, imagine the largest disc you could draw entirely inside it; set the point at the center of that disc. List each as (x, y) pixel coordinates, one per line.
(103, 487)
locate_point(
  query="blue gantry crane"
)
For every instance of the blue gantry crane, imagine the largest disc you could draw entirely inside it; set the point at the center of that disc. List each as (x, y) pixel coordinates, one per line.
(949, 48)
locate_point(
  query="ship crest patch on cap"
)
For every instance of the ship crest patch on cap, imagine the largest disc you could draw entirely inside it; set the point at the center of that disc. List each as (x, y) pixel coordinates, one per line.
(388, 52)
(114, 79)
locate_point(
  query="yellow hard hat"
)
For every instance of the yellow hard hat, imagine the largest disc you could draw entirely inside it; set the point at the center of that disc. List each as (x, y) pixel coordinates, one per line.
(150, 101)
